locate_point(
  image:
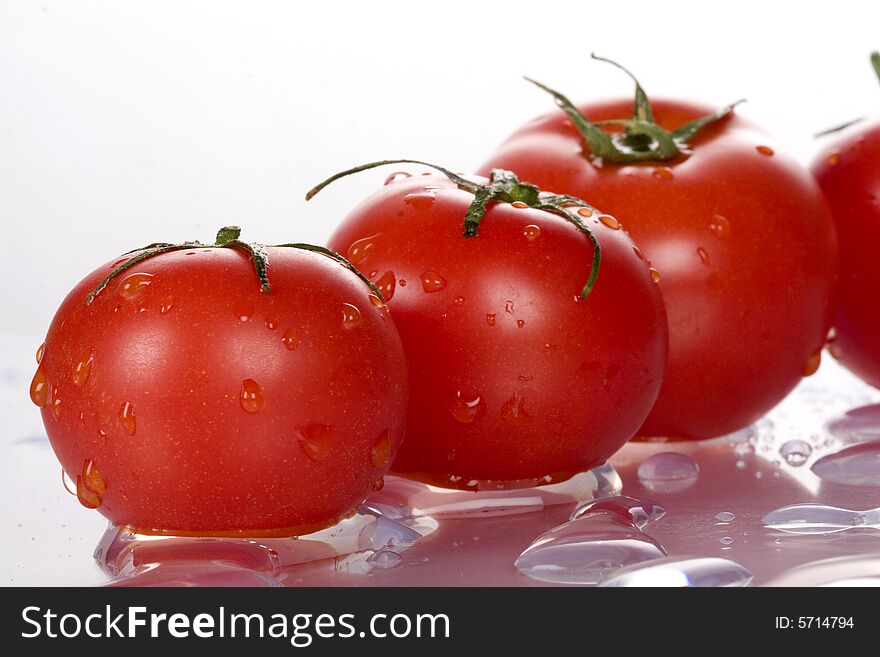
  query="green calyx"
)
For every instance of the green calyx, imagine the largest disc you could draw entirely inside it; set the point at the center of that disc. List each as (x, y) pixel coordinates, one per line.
(227, 238)
(640, 139)
(503, 187)
(875, 64)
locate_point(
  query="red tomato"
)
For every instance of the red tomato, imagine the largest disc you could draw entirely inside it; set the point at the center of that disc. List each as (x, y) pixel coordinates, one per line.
(743, 242)
(185, 400)
(516, 379)
(848, 170)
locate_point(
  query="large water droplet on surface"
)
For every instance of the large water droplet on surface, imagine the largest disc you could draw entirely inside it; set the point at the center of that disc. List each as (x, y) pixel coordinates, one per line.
(315, 440)
(388, 533)
(682, 571)
(668, 472)
(127, 418)
(858, 465)
(819, 519)
(795, 452)
(857, 570)
(857, 425)
(420, 200)
(638, 511)
(587, 550)
(39, 389)
(360, 249)
(252, 398)
(351, 316)
(386, 284)
(532, 232)
(133, 284)
(432, 281)
(290, 339)
(397, 176)
(384, 558)
(466, 406)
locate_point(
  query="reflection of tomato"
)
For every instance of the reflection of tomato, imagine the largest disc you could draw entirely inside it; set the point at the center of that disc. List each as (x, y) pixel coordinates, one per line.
(513, 375)
(848, 170)
(185, 400)
(743, 242)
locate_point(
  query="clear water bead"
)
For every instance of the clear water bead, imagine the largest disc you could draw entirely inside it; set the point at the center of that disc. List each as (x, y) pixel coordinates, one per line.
(668, 472)
(858, 465)
(819, 519)
(724, 516)
(697, 572)
(639, 511)
(796, 452)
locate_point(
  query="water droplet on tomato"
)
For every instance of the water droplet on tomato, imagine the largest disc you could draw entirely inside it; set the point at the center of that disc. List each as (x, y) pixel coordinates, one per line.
(377, 302)
(166, 306)
(386, 284)
(88, 498)
(55, 402)
(833, 159)
(638, 252)
(764, 150)
(609, 221)
(92, 479)
(835, 351)
(514, 411)
(420, 200)
(39, 388)
(509, 307)
(655, 275)
(102, 435)
(252, 399)
(133, 284)
(663, 173)
(271, 322)
(719, 226)
(290, 339)
(813, 363)
(68, 483)
(490, 319)
(519, 205)
(243, 310)
(466, 406)
(40, 351)
(397, 176)
(525, 378)
(532, 232)
(585, 212)
(704, 255)
(432, 281)
(458, 301)
(376, 486)
(351, 316)
(360, 249)
(520, 323)
(127, 418)
(83, 367)
(315, 440)
(381, 452)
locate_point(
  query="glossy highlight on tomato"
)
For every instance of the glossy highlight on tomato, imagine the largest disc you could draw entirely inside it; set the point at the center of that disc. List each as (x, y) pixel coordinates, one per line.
(192, 402)
(740, 237)
(517, 377)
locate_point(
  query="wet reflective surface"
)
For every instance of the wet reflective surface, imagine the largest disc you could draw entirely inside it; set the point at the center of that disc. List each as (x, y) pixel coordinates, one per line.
(734, 524)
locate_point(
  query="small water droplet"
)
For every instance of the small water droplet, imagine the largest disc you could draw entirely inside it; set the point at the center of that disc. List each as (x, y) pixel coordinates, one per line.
(432, 281)
(759, 475)
(83, 367)
(638, 252)
(525, 378)
(704, 255)
(351, 316)
(532, 232)
(585, 212)
(719, 226)
(39, 389)
(726, 540)
(386, 284)
(764, 150)
(466, 406)
(360, 249)
(668, 472)
(315, 440)
(663, 173)
(655, 275)
(402, 282)
(458, 301)
(697, 572)
(395, 177)
(586, 550)
(795, 452)
(133, 284)
(609, 221)
(833, 159)
(271, 322)
(724, 516)
(290, 339)
(514, 411)
(813, 362)
(40, 351)
(384, 559)
(380, 455)
(166, 306)
(519, 205)
(243, 310)
(127, 418)
(740, 465)
(639, 511)
(252, 399)
(858, 465)
(55, 402)
(490, 319)
(420, 200)
(102, 435)
(520, 323)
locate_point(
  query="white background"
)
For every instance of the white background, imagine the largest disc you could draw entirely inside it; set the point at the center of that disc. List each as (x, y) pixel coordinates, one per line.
(125, 123)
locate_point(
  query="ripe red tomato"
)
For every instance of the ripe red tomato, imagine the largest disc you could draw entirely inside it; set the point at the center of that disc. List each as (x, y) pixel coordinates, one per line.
(516, 379)
(740, 235)
(848, 170)
(186, 400)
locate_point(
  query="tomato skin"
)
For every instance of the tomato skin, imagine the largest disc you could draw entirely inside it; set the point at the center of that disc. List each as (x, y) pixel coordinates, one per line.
(513, 377)
(848, 170)
(224, 411)
(744, 245)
